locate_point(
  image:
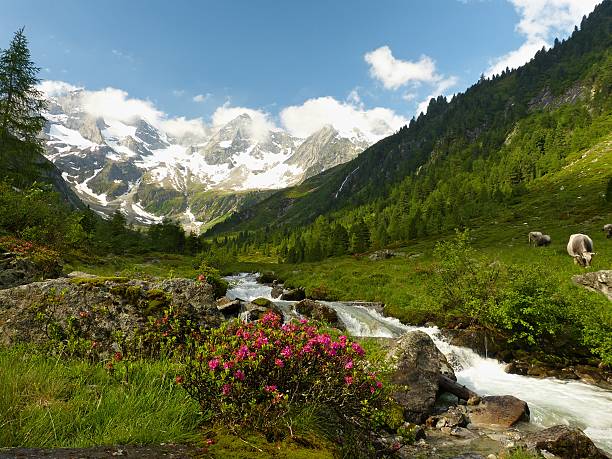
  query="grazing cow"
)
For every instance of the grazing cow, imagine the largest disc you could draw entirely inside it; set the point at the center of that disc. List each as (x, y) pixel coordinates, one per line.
(544, 241)
(580, 246)
(534, 237)
(608, 229)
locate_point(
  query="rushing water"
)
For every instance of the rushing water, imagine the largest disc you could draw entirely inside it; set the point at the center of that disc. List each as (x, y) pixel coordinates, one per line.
(551, 401)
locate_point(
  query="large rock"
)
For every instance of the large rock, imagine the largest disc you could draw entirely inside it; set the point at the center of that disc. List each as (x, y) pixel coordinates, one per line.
(277, 290)
(229, 308)
(499, 411)
(295, 294)
(598, 281)
(258, 308)
(99, 309)
(418, 365)
(564, 442)
(318, 311)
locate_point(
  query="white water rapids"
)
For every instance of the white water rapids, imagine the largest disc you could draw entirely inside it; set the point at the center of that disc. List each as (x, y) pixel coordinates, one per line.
(551, 401)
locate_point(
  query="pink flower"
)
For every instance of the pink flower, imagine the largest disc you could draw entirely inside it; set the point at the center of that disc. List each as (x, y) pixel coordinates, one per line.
(379, 384)
(270, 388)
(342, 339)
(201, 277)
(243, 352)
(261, 341)
(358, 349)
(303, 321)
(228, 365)
(213, 364)
(279, 363)
(286, 352)
(372, 389)
(348, 380)
(239, 375)
(225, 390)
(348, 365)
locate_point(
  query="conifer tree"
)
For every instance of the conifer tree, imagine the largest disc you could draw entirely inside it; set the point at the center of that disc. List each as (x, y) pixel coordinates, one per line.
(20, 102)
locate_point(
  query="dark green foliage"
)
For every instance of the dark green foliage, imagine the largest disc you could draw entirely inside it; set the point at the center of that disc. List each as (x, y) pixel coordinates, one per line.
(609, 191)
(20, 102)
(37, 214)
(168, 236)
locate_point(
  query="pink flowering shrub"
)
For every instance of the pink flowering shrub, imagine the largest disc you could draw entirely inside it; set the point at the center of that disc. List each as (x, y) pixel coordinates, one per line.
(259, 374)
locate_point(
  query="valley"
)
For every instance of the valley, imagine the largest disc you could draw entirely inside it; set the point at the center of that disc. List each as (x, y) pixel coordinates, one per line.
(321, 278)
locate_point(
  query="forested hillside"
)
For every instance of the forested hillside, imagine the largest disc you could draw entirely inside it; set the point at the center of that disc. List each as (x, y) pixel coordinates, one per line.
(487, 149)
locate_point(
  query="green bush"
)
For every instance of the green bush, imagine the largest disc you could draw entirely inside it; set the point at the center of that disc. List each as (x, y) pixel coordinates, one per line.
(529, 307)
(464, 280)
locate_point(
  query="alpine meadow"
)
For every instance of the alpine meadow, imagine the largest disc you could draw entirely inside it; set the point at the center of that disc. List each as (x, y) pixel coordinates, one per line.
(386, 235)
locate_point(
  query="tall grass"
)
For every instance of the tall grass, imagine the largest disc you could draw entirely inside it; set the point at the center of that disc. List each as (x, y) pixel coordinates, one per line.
(49, 402)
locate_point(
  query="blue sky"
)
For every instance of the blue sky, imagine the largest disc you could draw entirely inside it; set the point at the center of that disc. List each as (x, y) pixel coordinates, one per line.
(269, 55)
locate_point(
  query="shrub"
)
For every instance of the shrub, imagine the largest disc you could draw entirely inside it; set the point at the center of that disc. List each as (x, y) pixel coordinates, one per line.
(259, 375)
(529, 307)
(464, 280)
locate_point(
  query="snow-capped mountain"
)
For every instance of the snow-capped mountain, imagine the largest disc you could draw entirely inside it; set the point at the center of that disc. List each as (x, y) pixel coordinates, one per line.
(148, 174)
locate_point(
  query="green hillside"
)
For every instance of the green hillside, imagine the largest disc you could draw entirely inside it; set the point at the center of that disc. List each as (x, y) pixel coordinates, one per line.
(466, 159)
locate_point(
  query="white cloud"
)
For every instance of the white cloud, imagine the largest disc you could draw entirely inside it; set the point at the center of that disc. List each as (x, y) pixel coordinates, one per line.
(54, 88)
(183, 128)
(312, 115)
(299, 120)
(115, 104)
(200, 98)
(354, 97)
(394, 73)
(178, 92)
(541, 21)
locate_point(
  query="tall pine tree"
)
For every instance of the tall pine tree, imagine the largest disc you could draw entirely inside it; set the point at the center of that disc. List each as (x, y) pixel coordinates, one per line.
(21, 103)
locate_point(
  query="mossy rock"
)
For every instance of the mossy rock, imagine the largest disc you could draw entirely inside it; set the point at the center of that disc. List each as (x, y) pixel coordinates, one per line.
(155, 301)
(263, 302)
(97, 281)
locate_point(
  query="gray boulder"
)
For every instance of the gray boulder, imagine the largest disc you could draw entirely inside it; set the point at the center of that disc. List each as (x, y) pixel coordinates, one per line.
(418, 365)
(99, 309)
(295, 294)
(318, 311)
(598, 281)
(564, 442)
(229, 308)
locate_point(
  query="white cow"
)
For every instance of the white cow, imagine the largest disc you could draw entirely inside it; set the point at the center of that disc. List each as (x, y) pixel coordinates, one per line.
(608, 229)
(544, 241)
(534, 237)
(580, 247)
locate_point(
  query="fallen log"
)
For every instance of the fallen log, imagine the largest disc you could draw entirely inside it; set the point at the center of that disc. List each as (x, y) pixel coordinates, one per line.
(448, 385)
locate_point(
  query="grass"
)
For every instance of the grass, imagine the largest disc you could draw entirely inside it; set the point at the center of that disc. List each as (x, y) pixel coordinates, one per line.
(136, 265)
(49, 402)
